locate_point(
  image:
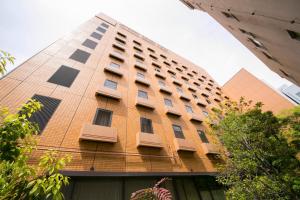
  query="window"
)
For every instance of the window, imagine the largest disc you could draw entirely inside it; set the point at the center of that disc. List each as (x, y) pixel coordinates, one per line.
(178, 69)
(114, 65)
(197, 84)
(168, 102)
(110, 84)
(179, 90)
(294, 35)
(141, 75)
(163, 56)
(156, 65)
(101, 30)
(202, 136)
(173, 61)
(96, 35)
(153, 57)
(184, 67)
(205, 113)
(146, 125)
(210, 84)
(230, 15)
(104, 25)
(142, 94)
(90, 44)
(137, 43)
(120, 41)
(211, 81)
(166, 63)
(257, 43)
(103, 117)
(80, 56)
(203, 77)
(139, 57)
(201, 80)
(42, 117)
(138, 50)
(184, 78)
(64, 76)
(195, 72)
(178, 131)
(188, 109)
(189, 74)
(122, 35)
(195, 96)
(171, 72)
(161, 83)
(151, 50)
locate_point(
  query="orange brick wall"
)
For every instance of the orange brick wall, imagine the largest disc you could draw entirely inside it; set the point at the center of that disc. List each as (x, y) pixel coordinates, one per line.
(79, 104)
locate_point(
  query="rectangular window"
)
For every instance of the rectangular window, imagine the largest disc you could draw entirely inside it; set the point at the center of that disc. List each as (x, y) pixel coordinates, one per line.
(137, 43)
(110, 84)
(168, 102)
(141, 75)
(64, 76)
(146, 125)
(96, 35)
(43, 116)
(138, 50)
(142, 94)
(114, 65)
(122, 35)
(153, 57)
(104, 25)
(101, 30)
(178, 131)
(120, 41)
(188, 109)
(202, 136)
(103, 117)
(163, 56)
(90, 44)
(161, 83)
(80, 56)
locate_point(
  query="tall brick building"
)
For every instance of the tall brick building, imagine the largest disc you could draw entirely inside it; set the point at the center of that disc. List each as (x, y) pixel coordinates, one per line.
(270, 29)
(126, 109)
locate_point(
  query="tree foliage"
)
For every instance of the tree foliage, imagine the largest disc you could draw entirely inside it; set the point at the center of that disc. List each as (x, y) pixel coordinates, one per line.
(19, 179)
(5, 58)
(262, 149)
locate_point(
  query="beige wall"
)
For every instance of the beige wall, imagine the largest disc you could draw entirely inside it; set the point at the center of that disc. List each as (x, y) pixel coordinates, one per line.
(244, 84)
(269, 21)
(79, 104)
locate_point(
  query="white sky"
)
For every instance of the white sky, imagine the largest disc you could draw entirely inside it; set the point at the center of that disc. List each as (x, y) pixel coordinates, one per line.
(27, 26)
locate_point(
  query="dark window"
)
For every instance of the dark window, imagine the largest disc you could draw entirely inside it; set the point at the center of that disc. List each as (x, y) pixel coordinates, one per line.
(203, 77)
(101, 30)
(142, 94)
(168, 102)
(80, 56)
(104, 25)
(201, 80)
(195, 72)
(151, 50)
(166, 63)
(64, 76)
(202, 136)
(122, 35)
(189, 74)
(153, 57)
(90, 44)
(138, 49)
(173, 61)
(120, 41)
(163, 56)
(110, 84)
(184, 67)
(178, 131)
(137, 43)
(44, 115)
(294, 35)
(103, 117)
(146, 125)
(156, 65)
(230, 15)
(96, 35)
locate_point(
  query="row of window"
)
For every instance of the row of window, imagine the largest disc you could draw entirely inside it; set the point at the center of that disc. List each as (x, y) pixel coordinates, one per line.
(104, 118)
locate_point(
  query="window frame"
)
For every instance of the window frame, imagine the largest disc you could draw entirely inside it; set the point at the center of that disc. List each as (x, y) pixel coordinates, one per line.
(97, 113)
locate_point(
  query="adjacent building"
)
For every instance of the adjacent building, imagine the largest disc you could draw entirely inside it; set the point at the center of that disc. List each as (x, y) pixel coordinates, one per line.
(292, 92)
(244, 84)
(127, 110)
(268, 28)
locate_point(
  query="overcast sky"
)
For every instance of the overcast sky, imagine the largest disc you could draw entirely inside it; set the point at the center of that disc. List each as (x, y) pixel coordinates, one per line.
(27, 26)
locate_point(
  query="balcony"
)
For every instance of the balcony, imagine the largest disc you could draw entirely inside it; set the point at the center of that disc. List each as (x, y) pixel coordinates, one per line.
(184, 97)
(201, 103)
(114, 70)
(142, 81)
(160, 75)
(117, 56)
(177, 82)
(184, 145)
(172, 111)
(108, 92)
(148, 140)
(195, 117)
(210, 149)
(98, 133)
(165, 89)
(145, 103)
(140, 66)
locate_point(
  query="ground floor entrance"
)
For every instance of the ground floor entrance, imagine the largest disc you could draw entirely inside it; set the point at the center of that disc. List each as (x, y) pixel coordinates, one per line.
(120, 186)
